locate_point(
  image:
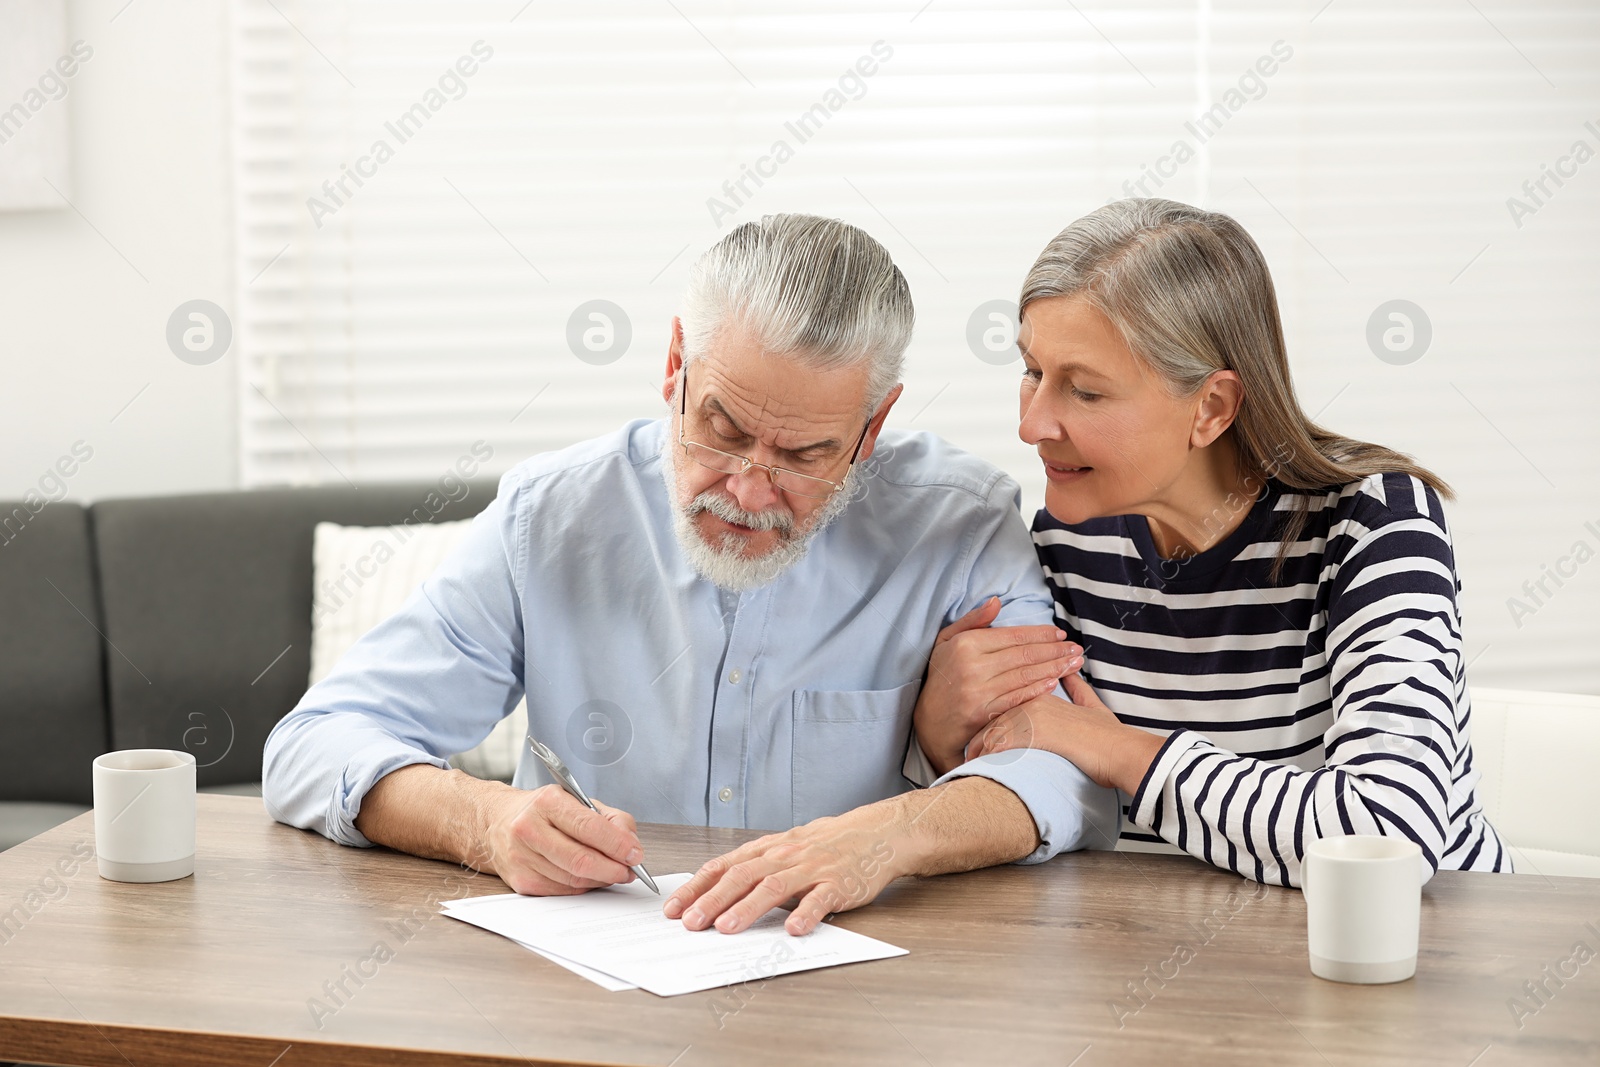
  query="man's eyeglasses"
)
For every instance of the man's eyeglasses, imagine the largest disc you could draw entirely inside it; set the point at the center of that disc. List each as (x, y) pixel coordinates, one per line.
(728, 463)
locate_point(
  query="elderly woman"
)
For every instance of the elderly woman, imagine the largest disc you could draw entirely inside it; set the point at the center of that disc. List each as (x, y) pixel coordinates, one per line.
(1268, 609)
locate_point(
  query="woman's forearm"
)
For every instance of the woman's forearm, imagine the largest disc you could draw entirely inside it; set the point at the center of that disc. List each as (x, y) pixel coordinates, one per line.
(1132, 752)
(1259, 826)
(1083, 732)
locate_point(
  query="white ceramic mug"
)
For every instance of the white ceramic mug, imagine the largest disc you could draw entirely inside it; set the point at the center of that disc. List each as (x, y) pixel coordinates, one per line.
(1363, 904)
(144, 814)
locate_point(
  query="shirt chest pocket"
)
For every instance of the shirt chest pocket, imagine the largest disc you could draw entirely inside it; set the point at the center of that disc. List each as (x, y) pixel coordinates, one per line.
(849, 746)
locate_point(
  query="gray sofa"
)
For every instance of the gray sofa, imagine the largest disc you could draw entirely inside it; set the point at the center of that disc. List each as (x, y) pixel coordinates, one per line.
(177, 622)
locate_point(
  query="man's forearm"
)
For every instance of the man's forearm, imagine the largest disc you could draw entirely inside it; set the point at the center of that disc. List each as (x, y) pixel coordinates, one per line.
(959, 826)
(841, 862)
(429, 812)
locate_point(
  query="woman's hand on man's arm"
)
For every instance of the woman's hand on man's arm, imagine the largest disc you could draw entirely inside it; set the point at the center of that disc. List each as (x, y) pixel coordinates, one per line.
(978, 672)
(1086, 732)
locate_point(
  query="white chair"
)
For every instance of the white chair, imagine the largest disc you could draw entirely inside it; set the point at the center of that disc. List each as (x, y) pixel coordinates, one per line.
(1540, 758)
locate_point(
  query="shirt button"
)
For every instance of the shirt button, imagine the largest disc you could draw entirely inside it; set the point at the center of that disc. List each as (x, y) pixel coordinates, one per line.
(725, 794)
(734, 677)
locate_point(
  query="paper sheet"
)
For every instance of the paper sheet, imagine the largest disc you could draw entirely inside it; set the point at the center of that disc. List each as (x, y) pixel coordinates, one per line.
(454, 908)
(599, 978)
(620, 933)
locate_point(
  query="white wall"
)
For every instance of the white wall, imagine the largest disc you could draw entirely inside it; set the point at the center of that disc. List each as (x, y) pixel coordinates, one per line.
(81, 332)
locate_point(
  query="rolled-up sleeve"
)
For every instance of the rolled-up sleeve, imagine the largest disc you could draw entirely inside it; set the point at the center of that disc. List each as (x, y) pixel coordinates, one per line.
(430, 681)
(1069, 810)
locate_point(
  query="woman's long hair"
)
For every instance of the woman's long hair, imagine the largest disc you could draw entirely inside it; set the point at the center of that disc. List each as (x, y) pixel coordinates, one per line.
(1191, 295)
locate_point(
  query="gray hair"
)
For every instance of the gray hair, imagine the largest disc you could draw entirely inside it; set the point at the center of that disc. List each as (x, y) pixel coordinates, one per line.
(817, 290)
(1191, 294)
(1188, 289)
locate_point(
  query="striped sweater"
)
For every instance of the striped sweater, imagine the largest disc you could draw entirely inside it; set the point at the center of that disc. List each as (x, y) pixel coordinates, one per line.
(1331, 701)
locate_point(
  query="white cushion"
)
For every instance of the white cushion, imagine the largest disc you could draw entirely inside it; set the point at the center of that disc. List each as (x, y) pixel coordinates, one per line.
(353, 592)
(1537, 753)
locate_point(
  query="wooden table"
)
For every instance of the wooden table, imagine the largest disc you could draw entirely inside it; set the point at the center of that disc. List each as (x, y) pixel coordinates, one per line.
(242, 964)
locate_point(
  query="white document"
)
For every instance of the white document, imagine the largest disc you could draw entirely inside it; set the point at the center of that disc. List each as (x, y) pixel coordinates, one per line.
(621, 933)
(599, 978)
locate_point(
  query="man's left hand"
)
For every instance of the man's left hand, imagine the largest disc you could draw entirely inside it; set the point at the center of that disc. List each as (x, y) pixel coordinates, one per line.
(829, 865)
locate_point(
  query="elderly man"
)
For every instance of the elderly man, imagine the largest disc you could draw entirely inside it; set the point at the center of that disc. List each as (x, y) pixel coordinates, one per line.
(722, 617)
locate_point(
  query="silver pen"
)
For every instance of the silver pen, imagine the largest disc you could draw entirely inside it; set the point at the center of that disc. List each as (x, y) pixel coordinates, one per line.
(559, 772)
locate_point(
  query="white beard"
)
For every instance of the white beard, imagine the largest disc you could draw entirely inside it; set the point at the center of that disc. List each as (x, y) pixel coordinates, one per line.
(722, 564)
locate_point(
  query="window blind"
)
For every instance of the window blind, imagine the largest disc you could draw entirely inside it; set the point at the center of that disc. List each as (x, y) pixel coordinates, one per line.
(429, 258)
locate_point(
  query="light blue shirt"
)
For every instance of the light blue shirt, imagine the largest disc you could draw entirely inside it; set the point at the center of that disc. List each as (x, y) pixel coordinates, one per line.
(670, 698)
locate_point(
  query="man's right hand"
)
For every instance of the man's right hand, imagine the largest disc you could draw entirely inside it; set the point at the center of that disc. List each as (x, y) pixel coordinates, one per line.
(546, 843)
(978, 672)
